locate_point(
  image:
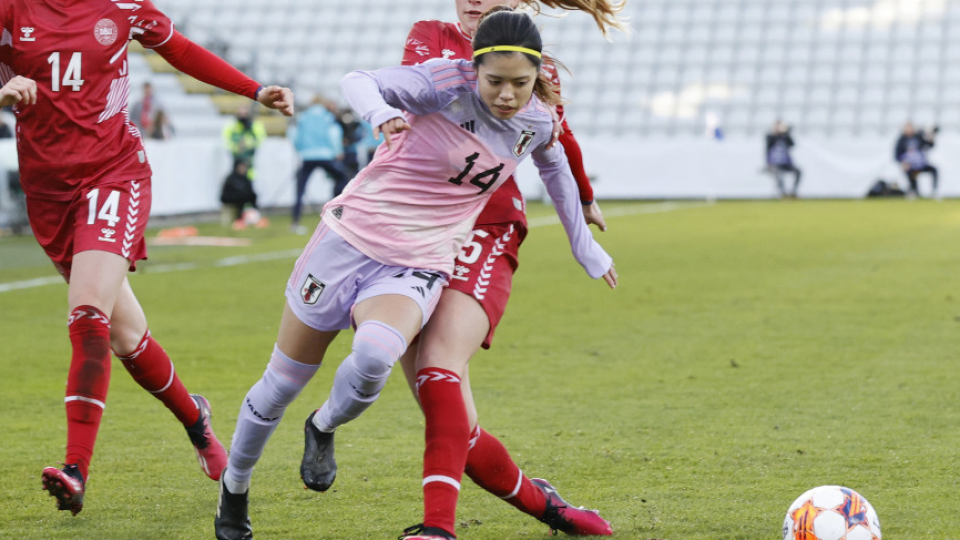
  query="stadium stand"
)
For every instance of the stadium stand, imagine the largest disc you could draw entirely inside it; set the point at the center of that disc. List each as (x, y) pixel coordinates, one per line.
(831, 67)
(845, 74)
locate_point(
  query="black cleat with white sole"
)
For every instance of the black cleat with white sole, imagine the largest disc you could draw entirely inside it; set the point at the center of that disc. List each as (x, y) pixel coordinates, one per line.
(318, 469)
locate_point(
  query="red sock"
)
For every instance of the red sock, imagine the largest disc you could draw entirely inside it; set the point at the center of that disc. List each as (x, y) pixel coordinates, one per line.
(150, 366)
(490, 466)
(87, 382)
(447, 434)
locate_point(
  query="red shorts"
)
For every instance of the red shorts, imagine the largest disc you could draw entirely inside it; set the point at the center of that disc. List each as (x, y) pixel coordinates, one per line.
(105, 217)
(484, 270)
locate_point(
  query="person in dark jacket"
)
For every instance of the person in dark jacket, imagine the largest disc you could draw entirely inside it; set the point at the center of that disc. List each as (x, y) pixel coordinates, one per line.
(779, 160)
(911, 154)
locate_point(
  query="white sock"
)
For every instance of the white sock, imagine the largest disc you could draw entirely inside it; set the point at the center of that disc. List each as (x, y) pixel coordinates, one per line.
(260, 413)
(234, 486)
(361, 376)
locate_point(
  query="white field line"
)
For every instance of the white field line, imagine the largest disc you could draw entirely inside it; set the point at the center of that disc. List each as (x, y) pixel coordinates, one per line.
(30, 283)
(658, 208)
(292, 253)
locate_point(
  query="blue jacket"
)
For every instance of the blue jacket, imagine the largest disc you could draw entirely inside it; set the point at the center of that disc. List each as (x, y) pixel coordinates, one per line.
(317, 135)
(367, 142)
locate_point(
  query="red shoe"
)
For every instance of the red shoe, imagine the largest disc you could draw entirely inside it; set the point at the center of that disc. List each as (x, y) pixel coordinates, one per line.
(210, 453)
(66, 485)
(560, 516)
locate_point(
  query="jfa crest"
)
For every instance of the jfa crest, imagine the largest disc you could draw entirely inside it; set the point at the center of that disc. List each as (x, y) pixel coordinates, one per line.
(311, 289)
(526, 137)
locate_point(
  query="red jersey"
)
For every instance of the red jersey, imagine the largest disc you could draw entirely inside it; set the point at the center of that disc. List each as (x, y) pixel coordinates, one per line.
(78, 133)
(437, 39)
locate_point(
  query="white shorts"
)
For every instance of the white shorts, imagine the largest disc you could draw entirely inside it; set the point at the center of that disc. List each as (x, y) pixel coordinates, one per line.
(331, 277)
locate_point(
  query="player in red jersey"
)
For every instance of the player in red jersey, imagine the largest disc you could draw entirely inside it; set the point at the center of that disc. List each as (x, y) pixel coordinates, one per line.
(469, 311)
(63, 67)
(468, 314)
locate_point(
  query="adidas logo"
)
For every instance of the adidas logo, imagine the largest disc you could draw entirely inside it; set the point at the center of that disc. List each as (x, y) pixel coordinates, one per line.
(338, 212)
(469, 126)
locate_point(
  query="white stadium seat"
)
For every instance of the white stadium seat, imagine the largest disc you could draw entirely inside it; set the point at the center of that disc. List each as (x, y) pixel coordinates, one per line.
(782, 54)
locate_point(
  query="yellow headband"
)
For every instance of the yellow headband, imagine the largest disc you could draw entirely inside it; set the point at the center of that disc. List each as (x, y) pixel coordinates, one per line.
(503, 48)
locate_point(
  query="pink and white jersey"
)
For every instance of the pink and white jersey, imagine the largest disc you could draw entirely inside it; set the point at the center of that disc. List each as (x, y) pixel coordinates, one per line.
(415, 205)
(78, 133)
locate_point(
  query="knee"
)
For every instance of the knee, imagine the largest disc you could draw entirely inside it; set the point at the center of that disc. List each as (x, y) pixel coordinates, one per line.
(376, 348)
(125, 339)
(282, 382)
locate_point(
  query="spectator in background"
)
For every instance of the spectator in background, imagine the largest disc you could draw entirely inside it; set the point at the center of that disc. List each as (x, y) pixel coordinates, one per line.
(779, 160)
(911, 154)
(144, 111)
(318, 138)
(242, 138)
(352, 137)
(238, 193)
(367, 144)
(161, 129)
(359, 144)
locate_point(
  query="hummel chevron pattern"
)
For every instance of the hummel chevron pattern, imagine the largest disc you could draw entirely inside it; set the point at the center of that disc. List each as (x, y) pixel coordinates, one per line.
(435, 376)
(88, 313)
(132, 213)
(483, 281)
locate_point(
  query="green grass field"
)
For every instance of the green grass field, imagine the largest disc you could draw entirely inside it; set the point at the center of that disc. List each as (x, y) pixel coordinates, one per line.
(752, 351)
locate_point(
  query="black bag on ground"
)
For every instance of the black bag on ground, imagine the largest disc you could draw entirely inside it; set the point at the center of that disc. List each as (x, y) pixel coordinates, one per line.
(883, 189)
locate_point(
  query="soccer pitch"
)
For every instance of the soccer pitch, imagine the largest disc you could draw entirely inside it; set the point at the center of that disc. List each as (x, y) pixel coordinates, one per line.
(753, 350)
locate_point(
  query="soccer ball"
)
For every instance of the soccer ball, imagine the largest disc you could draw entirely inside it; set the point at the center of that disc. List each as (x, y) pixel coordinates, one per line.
(251, 216)
(831, 513)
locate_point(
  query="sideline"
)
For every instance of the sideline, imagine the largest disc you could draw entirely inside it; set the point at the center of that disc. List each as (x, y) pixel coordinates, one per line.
(543, 221)
(658, 208)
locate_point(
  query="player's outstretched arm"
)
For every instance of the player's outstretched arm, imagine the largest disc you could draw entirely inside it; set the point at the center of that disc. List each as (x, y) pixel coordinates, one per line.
(18, 90)
(205, 66)
(556, 176)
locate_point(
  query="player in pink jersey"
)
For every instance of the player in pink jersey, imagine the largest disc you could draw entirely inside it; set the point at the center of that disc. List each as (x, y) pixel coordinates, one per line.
(63, 67)
(474, 302)
(387, 244)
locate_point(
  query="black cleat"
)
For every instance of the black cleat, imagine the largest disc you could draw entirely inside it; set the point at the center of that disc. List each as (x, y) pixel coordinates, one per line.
(66, 485)
(233, 520)
(318, 469)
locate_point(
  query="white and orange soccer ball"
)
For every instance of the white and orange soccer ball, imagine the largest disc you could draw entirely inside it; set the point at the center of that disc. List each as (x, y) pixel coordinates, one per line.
(831, 513)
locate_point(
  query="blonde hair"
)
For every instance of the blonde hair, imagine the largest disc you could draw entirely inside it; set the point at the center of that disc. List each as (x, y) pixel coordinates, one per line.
(606, 13)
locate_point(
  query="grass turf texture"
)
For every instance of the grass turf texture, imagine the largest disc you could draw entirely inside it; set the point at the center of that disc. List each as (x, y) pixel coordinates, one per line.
(752, 351)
